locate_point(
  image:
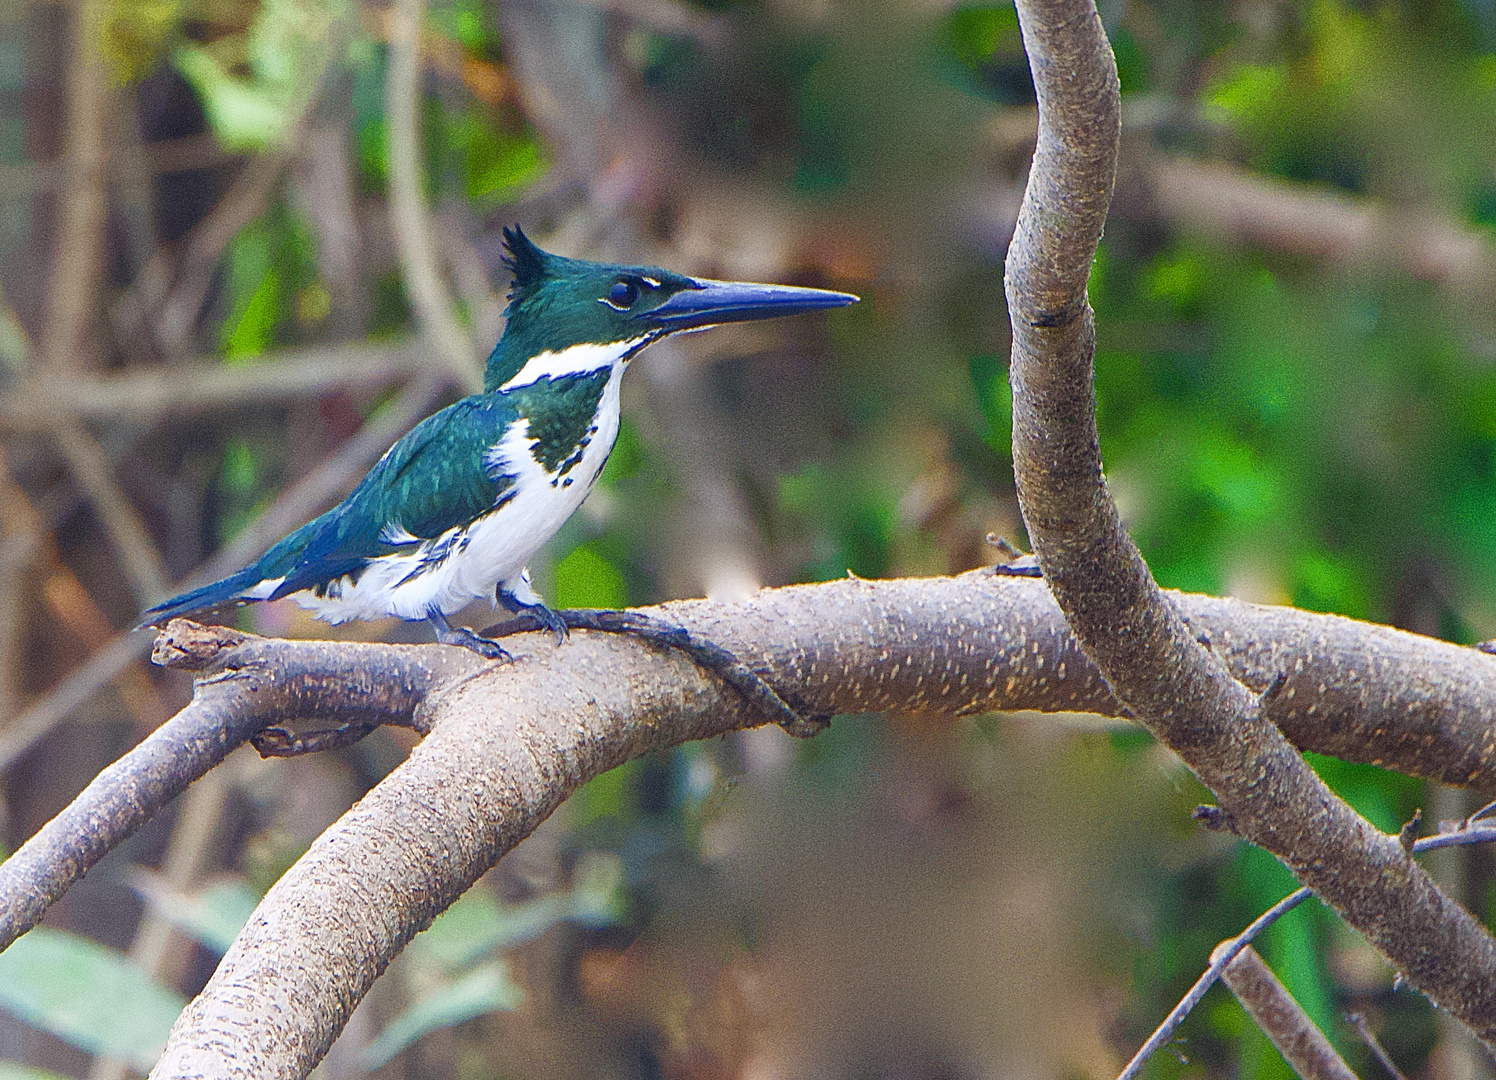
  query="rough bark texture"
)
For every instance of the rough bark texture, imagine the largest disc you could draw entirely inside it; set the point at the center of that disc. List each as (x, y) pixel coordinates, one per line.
(1283, 1019)
(499, 734)
(1175, 685)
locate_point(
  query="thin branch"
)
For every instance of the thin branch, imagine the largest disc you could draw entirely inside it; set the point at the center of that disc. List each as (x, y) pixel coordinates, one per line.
(1228, 950)
(144, 393)
(1374, 1044)
(298, 503)
(1224, 953)
(78, 266)
(410, 218)
(138, 557)
(252, 682)
(1283, 1019)
(1174, 684)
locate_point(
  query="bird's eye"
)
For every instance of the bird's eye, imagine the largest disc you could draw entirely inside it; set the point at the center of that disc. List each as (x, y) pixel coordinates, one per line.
(623, 294)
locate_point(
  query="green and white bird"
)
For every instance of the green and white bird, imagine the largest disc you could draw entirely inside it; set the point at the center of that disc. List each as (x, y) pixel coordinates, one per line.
(455, 510)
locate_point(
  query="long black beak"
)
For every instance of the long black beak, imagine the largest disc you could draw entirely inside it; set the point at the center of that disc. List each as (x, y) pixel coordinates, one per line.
(712, 302)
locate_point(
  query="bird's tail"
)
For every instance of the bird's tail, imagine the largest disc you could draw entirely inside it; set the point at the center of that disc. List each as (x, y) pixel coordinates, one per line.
(229, 590)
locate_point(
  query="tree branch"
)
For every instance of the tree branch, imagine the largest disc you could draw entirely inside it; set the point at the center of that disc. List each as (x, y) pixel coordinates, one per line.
(410, 218)
(510, 741)
(149, 392)
(1174, 684)
(1284, 1021)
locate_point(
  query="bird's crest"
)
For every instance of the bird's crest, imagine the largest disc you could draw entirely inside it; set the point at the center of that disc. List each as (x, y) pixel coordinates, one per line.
(530, 265)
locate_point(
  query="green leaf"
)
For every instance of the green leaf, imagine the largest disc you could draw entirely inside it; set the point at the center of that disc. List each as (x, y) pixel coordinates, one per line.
(989, 375)
(88, 996)
(477, 923)
(483, 990)
(213, 915)
(243, 116)
(9, 1070)
(586, 579)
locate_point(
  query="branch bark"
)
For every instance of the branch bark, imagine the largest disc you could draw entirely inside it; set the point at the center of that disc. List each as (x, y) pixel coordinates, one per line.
(508, 743)
(1156, 663)
(1284, 1021)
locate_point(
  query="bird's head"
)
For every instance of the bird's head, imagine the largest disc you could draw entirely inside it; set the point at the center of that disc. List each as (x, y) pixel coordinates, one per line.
(557, 305)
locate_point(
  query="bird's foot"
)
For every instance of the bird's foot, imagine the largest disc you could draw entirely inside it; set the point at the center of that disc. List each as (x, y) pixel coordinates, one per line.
(519, 598)
(448, 634)
(548, 620)
(707, 654)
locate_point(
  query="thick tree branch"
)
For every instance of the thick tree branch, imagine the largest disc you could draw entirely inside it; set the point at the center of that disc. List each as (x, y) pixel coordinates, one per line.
(248, 682)
(955, 645)
(1171, 681)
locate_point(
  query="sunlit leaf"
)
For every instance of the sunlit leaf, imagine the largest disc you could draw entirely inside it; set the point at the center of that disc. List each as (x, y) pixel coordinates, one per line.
(243, 116)
(88, 996)
(213, 915)
(477, 923)
(584, 579)
(484, 989)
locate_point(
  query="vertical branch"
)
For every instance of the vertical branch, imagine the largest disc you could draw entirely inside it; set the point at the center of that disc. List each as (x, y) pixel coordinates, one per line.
(1173, 683)
(410, 217)
(79, 262)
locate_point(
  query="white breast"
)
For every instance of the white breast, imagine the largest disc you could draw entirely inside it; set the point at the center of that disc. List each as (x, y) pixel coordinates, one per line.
(492, 549)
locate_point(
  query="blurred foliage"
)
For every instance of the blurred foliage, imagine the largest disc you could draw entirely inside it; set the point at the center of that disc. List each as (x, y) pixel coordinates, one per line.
(1278, 427)
(87, 995)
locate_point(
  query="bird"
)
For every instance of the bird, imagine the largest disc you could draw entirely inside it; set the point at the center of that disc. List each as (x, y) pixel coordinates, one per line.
(454, 511)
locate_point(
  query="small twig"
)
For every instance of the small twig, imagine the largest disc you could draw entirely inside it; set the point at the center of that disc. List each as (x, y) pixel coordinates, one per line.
(138, 556)
(1358, 1021)
(1229, 949)
(410, 218)
(1224, 953)
(1283, 1019)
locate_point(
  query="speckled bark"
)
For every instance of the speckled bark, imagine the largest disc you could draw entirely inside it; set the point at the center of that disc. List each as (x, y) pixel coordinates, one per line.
(1176, 686)
(960, 645)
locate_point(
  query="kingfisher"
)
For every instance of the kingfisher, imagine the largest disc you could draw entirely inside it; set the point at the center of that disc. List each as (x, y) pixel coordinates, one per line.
(454, 511)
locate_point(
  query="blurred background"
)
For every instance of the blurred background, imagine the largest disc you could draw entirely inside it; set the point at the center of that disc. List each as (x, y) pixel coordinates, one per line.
(246, 243)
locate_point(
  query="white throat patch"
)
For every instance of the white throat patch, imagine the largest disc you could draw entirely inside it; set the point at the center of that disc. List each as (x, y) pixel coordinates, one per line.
(577, 360)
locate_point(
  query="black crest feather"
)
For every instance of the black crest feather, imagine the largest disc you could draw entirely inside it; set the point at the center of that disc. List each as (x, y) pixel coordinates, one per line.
(527, 261)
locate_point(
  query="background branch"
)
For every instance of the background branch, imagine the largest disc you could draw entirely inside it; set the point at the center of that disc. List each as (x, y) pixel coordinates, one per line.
(410, 217)
(297, 504)
(1283, 1019)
